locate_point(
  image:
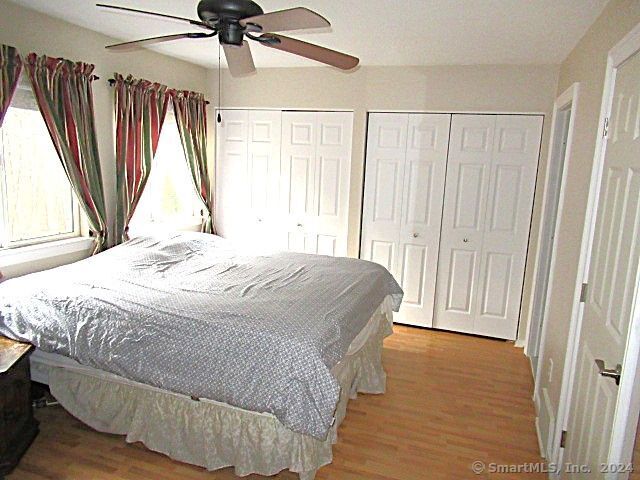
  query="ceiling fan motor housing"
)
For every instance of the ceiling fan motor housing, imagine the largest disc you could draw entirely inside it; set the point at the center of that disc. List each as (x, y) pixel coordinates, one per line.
(226, 15)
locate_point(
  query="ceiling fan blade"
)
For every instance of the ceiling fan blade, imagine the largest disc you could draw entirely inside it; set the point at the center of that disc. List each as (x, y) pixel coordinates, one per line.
(239, 59)
(155, 14)
(283, 20)
(136, 44)
(309, 50)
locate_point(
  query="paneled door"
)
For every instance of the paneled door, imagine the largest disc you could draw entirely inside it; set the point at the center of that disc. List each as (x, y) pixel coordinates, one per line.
(613, 281)
(316, 167)
(248, 176)
(383, 189)
(489, 191)
(231, 165)
(404, 189)
(332, 182)
(263, 218)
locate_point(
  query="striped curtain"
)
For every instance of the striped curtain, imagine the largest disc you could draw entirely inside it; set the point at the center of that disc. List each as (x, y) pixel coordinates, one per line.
(10, 67)
(140, 110)
(65, 97)
(191, 116)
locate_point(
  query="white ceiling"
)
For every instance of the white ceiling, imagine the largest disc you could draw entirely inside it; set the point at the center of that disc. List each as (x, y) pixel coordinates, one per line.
(380, 32)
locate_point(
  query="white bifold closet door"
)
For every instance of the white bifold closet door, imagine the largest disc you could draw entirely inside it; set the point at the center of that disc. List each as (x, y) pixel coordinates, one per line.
(248, 176)
(316, 168)
(491, 176)
(231, 166)
(282, 179)
(403, 198)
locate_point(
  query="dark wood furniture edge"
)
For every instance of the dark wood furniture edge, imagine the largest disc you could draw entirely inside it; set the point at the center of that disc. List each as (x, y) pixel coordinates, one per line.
(30, 432)
(10, 352)
(14, 364)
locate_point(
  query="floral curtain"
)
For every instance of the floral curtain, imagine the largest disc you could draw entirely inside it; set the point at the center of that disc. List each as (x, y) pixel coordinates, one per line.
(140, 110)
(190, 109)
(10, 67)
(65, 97)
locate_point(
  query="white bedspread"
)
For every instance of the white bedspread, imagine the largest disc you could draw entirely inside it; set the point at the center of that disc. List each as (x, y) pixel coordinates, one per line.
(189, 314)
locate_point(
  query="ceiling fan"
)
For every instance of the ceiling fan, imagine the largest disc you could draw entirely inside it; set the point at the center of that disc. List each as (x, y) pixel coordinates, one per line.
(234, 21)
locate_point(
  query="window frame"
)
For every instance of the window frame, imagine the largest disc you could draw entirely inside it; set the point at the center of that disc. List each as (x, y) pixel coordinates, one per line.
(5, 242)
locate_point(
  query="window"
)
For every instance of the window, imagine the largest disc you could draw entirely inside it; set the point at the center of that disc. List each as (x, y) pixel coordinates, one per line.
(37, 203)
(169, 200)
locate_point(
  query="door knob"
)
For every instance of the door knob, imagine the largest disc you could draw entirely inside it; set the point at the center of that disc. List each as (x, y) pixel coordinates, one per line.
(416, 235)
(299, 225)
(609, 373)
(466, 240)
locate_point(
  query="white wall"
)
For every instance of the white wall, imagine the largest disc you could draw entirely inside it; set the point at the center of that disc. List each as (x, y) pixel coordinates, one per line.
(586, 65)
(508, 88)
(31, 31)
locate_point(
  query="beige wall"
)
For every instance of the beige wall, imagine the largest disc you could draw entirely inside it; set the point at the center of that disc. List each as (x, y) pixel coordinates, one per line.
(586, 65)
(31, 31)
(440, 88)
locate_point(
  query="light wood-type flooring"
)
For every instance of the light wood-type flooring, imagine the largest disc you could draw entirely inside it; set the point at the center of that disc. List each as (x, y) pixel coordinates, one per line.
(451, 400)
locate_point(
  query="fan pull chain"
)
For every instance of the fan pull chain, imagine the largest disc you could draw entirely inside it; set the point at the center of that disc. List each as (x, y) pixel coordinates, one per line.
(219, 83)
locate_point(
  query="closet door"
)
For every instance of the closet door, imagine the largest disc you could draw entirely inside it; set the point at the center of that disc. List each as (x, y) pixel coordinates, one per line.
(420, 222)
(231, 173)
(263, 219)
(333, 171)
(506, 233)
(402, 212)
(316, 166)
(299, 133)
(383, 189)
(488, 200)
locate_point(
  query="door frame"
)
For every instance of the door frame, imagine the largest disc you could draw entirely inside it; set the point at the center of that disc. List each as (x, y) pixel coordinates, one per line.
(628, 402)
(567, 101)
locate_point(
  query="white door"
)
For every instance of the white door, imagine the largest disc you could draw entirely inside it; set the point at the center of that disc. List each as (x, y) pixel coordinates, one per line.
(489, 190)
(299, 131)
(383, 189)
(262, 218)
(332, 178)
(420, 222)
(248, 177)
(231, 173)
(316, 166)
(404, 188)
(613, 279)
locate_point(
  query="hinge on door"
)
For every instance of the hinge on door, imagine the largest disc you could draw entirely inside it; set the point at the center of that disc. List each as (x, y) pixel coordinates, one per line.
(605, 130)
(563, 439)
(583, 292)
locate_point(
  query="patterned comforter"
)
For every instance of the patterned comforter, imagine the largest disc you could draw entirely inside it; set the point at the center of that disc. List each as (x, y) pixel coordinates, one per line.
(189, 314)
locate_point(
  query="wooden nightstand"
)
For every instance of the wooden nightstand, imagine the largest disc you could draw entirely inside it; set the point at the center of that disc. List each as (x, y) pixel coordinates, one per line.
(18, 428)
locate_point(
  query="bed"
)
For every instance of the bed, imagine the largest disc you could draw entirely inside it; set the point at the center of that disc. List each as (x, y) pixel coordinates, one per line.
(205, 353)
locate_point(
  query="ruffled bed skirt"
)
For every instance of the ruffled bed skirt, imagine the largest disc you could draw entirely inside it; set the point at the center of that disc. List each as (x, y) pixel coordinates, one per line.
(210, 434)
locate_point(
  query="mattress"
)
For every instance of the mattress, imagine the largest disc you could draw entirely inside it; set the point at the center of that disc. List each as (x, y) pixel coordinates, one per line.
(211, 434)
(188, 313)
(40, 358)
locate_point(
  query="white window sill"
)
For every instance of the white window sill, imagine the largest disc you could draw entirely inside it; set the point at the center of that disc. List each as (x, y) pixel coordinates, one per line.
(34, 253)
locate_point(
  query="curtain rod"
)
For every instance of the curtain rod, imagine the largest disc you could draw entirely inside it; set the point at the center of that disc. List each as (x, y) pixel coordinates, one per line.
(112, 82)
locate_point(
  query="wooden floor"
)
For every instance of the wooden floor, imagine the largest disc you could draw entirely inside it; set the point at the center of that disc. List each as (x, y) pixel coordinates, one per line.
(451, 400)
